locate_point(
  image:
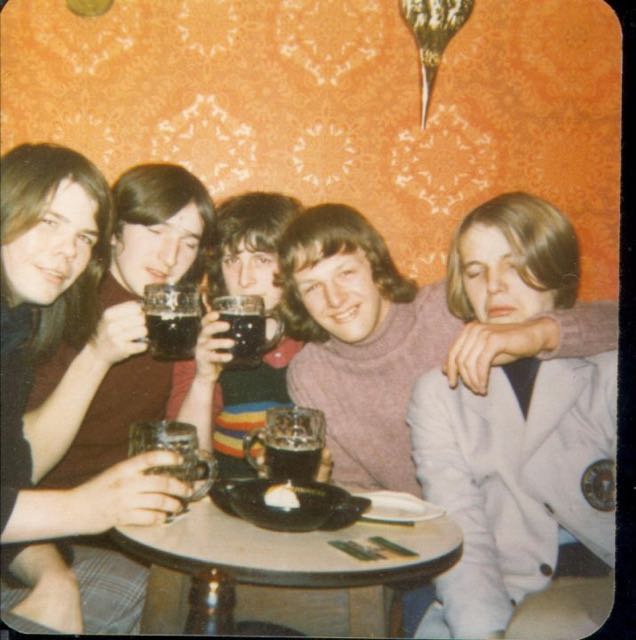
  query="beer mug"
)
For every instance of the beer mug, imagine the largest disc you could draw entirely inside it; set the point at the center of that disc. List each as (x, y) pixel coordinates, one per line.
(197, 465)
(293, 440)
(173, 319)
(248, 320)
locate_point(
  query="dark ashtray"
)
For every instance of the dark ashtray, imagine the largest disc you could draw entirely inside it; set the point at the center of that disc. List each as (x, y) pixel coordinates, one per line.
(289, 506)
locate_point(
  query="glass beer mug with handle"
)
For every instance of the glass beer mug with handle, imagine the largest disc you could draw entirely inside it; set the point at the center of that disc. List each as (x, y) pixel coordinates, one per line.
(173, 319)
(293, 439)
(198, 465)
(248, 321)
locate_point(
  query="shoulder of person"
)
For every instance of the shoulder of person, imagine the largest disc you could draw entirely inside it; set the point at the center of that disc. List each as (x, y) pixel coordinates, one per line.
(606, 368)
(432, 382)
(606, 362)
(311, 352)
(433, 294)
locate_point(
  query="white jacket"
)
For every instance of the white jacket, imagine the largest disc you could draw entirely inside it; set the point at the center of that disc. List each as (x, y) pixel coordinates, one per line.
(509, 483)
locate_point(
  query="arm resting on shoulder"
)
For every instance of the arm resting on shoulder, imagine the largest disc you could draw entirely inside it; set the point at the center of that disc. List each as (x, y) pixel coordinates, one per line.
(586, 329)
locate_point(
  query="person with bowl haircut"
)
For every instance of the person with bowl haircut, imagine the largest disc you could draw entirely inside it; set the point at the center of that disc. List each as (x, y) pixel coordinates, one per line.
(244, 261)
(56, 223)
(528, 470)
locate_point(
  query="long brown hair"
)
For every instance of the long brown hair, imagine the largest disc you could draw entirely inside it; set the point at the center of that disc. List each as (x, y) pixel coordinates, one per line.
(30, 176)
(149, 194)
(324, 231)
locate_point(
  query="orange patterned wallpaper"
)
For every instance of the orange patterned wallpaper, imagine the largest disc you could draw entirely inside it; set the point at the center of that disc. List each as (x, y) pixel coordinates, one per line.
(321, 99)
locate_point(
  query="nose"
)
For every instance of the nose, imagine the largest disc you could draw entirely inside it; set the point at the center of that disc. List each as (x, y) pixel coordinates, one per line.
(494, 280)
(67, 245)
(169, 251)
(246, 274)
(334, 295)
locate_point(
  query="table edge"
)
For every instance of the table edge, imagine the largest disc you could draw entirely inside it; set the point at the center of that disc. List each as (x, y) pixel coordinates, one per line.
(270, 577)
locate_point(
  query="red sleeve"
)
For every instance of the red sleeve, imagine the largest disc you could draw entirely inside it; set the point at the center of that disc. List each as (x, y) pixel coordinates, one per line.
(182, 376)
(217, 405)
(47, 375)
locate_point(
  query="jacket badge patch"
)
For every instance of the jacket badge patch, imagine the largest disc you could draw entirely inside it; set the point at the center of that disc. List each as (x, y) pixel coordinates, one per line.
(598, 484)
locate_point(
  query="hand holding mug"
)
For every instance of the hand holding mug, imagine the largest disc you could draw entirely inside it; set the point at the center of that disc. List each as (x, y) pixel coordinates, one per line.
(247, 319)
(121, 332)
(197, 467)
(212, 352)
(125, 494)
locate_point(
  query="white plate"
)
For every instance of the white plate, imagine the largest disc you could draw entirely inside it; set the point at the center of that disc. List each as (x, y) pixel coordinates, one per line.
(395, 506)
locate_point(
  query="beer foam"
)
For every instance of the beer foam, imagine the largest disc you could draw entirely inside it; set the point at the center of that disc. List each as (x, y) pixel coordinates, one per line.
(295, 443)
(170, 315)
(283, 496)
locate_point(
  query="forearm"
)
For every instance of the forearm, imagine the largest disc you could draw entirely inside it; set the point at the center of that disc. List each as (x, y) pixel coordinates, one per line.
(197, 409)
(45, 514)
(51, 428)
(586, 329)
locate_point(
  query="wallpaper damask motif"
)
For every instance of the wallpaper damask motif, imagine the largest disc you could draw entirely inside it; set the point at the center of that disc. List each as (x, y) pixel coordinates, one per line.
(321, 99)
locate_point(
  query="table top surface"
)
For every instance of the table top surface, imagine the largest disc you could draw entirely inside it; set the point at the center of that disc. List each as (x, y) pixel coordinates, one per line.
(206, 538)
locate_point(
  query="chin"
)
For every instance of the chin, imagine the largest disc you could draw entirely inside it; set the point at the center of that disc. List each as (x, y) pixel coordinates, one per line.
(353, 337)
(501, 320)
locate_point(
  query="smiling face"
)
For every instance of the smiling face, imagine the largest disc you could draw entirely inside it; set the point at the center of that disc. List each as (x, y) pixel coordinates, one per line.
(157, 253)
(340, 295)
(46, 260)
(251, 273)
(491, 281)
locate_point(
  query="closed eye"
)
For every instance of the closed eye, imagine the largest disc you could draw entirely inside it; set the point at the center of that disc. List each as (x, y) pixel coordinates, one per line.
(309, 288)
(191, 243)
(50, 221)
(88, 239)
(472, 271)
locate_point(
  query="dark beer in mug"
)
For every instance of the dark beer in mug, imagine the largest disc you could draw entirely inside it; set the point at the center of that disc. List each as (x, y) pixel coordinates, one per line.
(299, 465)
(248, 333)
(172, 335)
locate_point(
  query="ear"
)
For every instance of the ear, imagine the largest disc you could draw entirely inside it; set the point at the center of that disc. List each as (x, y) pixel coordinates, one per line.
(115, 245)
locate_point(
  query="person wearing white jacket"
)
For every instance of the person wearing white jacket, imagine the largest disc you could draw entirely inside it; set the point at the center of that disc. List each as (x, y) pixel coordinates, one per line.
(528, 469)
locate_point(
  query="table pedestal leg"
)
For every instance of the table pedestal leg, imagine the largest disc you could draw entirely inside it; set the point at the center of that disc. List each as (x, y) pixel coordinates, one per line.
(211, 604)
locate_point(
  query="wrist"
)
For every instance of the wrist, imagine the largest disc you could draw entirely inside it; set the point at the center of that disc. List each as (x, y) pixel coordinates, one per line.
(73, 504)
(551, 333)
(203, 382)
(94, 359)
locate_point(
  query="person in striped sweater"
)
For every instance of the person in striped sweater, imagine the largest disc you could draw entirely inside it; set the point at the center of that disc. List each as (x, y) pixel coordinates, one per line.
(244, 262)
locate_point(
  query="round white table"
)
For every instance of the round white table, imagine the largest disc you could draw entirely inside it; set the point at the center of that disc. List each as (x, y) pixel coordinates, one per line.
(218, 549)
